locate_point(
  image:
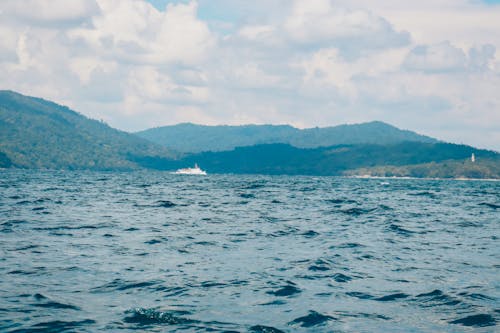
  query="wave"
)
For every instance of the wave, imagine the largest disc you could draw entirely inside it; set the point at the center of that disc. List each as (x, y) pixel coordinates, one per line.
(312, 319)
(141, 316)
(478, 320)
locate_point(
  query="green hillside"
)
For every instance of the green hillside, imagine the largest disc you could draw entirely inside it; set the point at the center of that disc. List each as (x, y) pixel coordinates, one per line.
(341, 160)
(35, 133)
(191, 138)
(38, 134)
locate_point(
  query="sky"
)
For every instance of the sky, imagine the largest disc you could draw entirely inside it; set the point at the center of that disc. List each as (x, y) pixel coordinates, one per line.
(431, 66)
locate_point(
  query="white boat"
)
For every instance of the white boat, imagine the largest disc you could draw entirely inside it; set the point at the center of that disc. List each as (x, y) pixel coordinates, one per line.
(191, 171)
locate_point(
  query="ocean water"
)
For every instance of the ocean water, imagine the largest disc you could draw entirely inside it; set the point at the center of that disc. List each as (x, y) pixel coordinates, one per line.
(155, 252)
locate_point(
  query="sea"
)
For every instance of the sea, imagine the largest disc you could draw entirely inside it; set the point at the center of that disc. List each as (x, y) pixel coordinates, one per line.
(146, 251)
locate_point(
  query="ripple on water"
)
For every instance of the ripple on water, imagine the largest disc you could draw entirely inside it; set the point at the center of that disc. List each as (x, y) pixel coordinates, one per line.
(346, 314)
(288, 290)
(392, 297)
(436, 298)
(478, 296)
(312, 319)
(490, 205)
(359, 295)
(156, 241)
(356, 211)
(478, 320)
(424, 194)
(347, 246)
(145, 317)
(264, 329)
(321, 265)
(341, 201)
(310, 234)
(122, 285)
(400, 230)
(165, 204)
(341, 278)
(325, 251)
(57, 326)
(45, 302)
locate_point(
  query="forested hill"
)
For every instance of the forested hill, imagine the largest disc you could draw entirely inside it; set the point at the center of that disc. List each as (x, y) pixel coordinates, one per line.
(35, 133)
(415, 159)
(38, 134)
(191, 138)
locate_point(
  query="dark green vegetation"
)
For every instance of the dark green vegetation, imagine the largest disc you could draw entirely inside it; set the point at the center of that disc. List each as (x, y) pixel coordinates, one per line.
(35, 133)
(343, 160)
(191, 138)
(488, 168)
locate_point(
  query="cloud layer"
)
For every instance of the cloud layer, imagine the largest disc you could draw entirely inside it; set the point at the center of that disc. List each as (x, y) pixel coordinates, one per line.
(433, 67)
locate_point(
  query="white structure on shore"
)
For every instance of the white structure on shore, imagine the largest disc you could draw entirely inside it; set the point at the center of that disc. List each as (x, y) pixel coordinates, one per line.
(473, 158)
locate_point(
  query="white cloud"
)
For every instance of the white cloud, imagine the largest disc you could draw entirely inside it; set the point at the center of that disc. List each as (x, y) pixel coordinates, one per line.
(256, 32)
(148, 83)
(107, 54)
(430, 65)
(134, 31)
(84, 67)
(327, 67)
(320, 22)
(48, 12)
(181, 36)
(463, 22)
(250, 75)
(482, 57)
(445, 57)
(8, 43)
(440, 57)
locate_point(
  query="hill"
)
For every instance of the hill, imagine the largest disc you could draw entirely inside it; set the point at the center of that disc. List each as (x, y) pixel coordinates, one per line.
(191, 138)
(35, 133)
(39, 134)
(337, 160)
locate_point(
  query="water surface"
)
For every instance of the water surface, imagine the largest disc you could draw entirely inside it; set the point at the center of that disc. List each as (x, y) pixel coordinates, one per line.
(97, 252)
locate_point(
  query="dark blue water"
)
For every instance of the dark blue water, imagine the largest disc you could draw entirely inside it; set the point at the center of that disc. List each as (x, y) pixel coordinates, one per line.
(94, 252)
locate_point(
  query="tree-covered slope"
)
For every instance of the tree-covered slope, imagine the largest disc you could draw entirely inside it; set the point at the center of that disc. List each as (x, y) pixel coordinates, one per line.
(191, 138)
(336, 160)
(35, 133)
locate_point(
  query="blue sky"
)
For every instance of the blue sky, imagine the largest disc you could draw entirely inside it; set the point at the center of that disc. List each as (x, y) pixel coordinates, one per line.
(431, 66)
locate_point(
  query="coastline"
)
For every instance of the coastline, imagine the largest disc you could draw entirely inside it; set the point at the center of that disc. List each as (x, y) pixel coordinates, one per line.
(423, 178)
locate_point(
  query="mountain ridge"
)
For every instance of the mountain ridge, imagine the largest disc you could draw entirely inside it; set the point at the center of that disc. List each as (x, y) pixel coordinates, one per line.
(193, 138)
(40, 134)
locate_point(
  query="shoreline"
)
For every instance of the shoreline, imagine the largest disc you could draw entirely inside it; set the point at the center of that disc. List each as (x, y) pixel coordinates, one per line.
(423, 178)
(366, 176)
